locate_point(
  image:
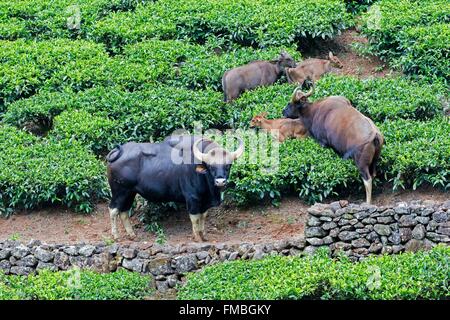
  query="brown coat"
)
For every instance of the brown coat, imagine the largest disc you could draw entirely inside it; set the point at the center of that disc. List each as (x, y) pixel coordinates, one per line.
(281, 128)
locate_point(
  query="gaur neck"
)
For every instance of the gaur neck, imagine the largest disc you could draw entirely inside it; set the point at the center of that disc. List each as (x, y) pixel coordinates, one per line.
(307, 112)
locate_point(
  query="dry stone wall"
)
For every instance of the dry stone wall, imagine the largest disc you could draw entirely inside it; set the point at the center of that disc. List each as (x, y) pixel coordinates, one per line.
(360, 230)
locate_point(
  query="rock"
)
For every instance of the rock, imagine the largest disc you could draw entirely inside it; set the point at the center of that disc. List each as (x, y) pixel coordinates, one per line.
(28, 261)
(233, 256)
(405, 234)
(258, 255)
(34, 243)
(71, 250)
(172, 281)
(317, 209)
(407, 221)
(280, 245)
(426, 212)
(309, 250)
(359, 243)
(395, 238)
(162, 286)
(144, 254)
(326, 219)
(428, 245)
(21, 271)
(186, 263)
(43, 255)
(343, 222)
(340, 246)
(327, 240)
(385, 220)
(362, 230)
(315, 241)
(223, 255)
(419, 232)
(336, 205)
(334, 232)
(361, 251)
(397, 248)
(315, 232)
(135, 265)
(386, 250)
(348, 235)
(446, 205)
(5, 265)
(423, 220)
(382, 229)
(375, 247)
(61, 261)
(113, 249)
(20, 251)
(432, 225)
(86, 250)
(129, 253)
(294, 252)
(313, 221)
(5, 254)
(435, 237)
(359, 225)
(384, 240)
(297, 242)
(445, 230)
(369, 221)
(45, 265)
(414, 245)
(401, 208)
(440, 216)
(201, 255)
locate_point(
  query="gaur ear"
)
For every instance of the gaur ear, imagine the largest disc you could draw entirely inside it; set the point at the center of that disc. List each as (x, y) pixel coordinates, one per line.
(201, 168)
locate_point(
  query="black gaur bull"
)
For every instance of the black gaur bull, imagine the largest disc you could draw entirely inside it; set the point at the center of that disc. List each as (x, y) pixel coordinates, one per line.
(335, 123)
(254, 74)
(187, 169)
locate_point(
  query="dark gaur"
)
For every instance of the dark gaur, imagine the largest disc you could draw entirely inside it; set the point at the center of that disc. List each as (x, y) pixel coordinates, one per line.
(335, 123)
(183, 168)
(254, 74)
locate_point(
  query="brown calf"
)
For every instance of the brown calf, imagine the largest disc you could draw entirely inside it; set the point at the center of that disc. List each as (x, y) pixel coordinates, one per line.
(254, 74)
(286, 128)
(312, 69)
(335, 123)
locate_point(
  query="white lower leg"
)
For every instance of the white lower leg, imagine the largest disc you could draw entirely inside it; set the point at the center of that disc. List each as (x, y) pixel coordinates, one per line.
(127, 224)
(113, 213)
(196, 226)
(202, 225)
(368, 185)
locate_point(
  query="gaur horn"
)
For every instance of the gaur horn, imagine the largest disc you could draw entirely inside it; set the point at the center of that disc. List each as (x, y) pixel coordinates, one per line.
(311, 91)
(204, 157)
(295, 93)
(239, 151)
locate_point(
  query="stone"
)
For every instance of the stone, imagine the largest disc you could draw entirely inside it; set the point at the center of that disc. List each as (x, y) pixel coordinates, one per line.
(334, 232)
(384, 240)
(385, 220)
(423, 220)
(5, 265)
(162, 286)
(443, 230)
(386, 250)
(186, 263)
(401, 208)
(369, 221)
(43, 255)
(5, 254)
(129, 253)
(375, 247)
(405, 234)
(336, 205)
(61, 261)
(435, 237)
(353, 222)
(347, 228)
(28, 261)
(360, 243)
(309, 250)
(135, 265)
(340, 246)
(294, 252)
(362, 230)
(395, 238)
(397, 248)
(428, 245)
(315, 232)
(233, 256)
(361, 251)
(315, 241)
(343, 222)
(258, 255)
(318, 209)
(326, 219)
(71, 250)
(21, 271)
(113, 249)
(144, 254)
(172, 281)
(223, 255)
(86, 250)
(440, 216)
(348, 235)
(419, 232)
(313, 221)
(45, 265)
(20, 251)
(327, 240)
(280, 245)
(298, 242)
(446, 205)
(382, 229)
(414, 245)
(202, 255)
(426, 212)
(432, 225)
(359, 225)
(407, 221)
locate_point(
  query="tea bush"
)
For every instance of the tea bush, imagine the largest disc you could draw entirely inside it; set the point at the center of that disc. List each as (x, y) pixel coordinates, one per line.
(250, 23)
(34, 172)
(411, 276)
(64, 285)
(392, 26)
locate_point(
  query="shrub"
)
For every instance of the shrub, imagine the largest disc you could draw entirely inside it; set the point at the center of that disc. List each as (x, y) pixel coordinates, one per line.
(393, 26)
(75, 285)
(421, 275)
(357, 6)
(34, 172)
(417, 152)
(256, 23)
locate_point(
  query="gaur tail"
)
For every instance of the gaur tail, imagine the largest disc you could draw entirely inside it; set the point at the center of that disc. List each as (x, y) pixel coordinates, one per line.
(378, 140)
(114, 154)
(224, 88)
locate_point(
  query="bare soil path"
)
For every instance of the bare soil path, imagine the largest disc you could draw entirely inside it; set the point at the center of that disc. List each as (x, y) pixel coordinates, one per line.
(227, 225)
